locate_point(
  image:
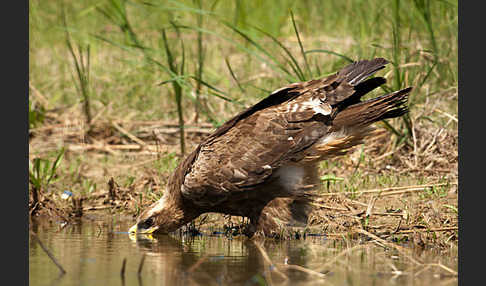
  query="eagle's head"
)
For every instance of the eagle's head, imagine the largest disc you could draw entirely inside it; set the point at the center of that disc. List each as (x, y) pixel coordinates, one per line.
(161, 217)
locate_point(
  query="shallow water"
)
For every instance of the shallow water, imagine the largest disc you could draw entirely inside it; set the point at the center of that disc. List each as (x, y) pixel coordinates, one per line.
(92, 253)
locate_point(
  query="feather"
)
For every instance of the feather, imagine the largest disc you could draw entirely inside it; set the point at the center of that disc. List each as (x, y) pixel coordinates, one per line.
(357, 71)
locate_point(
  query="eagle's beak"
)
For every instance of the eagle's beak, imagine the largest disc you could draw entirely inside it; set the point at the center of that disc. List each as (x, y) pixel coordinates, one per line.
(135, 230)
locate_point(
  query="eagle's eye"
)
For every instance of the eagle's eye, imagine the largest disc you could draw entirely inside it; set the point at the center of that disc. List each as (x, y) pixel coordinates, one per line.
(146, 223)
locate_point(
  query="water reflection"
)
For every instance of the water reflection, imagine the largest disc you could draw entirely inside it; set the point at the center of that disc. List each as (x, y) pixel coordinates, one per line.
(204, 260)
(92, 252)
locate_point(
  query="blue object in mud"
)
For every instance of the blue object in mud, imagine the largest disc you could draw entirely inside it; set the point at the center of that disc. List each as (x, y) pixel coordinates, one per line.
(66, 194)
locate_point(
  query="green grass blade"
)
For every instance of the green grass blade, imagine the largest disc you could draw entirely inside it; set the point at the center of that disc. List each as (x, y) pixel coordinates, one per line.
(300, 45)
(37, 168)
(168, 53)
(348, 59)
(233, 75)
(275, 62)
(429, 72)
(293, 64)
(55, 165)
(225, 97)
(287, 74)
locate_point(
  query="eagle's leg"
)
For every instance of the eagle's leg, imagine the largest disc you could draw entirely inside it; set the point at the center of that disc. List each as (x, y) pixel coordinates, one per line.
(280, 213)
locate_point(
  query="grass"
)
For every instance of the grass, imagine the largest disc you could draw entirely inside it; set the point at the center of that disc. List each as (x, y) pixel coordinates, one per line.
(151, 66)
(41, 174)
(82, 65)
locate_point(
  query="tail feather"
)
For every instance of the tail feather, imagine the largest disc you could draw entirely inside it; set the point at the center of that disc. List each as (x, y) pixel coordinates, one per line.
(368, 85)
(353, 124)
(353, 84)
(365, 113)
(359, 91)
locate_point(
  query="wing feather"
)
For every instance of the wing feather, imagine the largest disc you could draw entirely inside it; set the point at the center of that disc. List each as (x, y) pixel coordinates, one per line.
(248, 153)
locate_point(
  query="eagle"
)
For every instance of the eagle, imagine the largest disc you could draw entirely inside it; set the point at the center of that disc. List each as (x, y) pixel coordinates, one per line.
(262, 163)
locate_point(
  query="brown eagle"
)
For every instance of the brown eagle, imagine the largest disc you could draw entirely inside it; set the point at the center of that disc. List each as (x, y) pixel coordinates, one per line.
(262, 163)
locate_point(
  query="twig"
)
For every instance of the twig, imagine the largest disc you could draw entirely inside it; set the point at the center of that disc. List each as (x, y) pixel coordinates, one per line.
(303, 269)
(342, 234)
(428, 229)
(438, 264)
(42, 98)
(391, 190)
(166, 124)
(426, 147)
(98, 115)
(269, 261)
(371, 205)
(435, 170)
(391, 245)
(414, 144)
(335, 258)
(426, 267)
(128, 134)
(174, 130)
(160, 127)
(48, 253)
(105, 147)
(379, 158)
(122, 272)
(389, 214)
(96, 208)
(446, 114)
(47, 127)
(196, 265)
(328, 207)
(52, 206)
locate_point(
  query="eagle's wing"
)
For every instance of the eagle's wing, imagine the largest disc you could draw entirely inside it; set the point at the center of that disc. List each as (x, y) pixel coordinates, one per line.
(279, 130)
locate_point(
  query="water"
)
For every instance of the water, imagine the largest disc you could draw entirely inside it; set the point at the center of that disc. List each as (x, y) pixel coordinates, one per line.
(92, 253)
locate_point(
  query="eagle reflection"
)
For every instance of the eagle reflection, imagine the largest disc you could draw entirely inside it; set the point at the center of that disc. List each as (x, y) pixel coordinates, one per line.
(206, 260)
